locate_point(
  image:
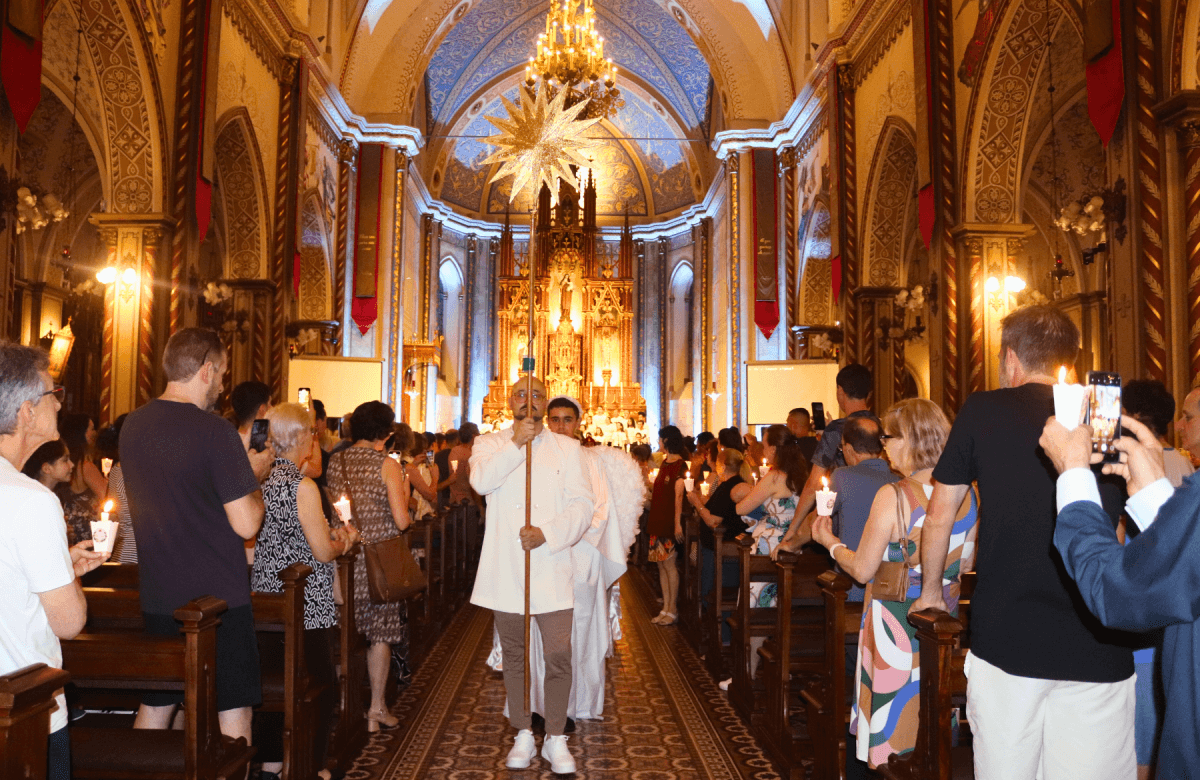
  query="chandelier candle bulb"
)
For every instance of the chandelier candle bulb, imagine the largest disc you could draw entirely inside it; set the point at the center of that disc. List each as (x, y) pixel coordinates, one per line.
(104, 530)
(1068, 401)
(825, 499)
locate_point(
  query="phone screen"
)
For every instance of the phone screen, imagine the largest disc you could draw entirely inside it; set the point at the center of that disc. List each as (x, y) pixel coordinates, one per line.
(429, 456)
(305, 397)
(1104, 413)
(818, 416)
(259, 431)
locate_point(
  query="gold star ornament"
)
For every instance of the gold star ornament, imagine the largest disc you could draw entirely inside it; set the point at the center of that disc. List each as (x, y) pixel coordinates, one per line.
(539, 141)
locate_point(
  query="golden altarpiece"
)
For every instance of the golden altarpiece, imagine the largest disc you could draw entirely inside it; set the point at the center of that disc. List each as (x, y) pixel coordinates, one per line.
(584, 308)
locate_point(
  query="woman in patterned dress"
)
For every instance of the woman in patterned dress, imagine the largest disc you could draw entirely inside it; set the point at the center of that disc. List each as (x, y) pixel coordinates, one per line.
(422, 476)
(664, 523)
(915, 432)
(378, 493)
(295, 530)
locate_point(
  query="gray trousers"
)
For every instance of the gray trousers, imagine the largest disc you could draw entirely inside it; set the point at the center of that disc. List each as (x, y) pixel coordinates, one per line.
(556, 643)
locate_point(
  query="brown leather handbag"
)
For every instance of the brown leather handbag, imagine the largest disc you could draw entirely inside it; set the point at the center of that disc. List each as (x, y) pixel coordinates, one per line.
(392, 572)
(891, 579)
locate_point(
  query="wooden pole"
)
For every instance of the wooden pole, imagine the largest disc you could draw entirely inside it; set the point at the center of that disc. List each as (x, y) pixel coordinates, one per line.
(529, 365)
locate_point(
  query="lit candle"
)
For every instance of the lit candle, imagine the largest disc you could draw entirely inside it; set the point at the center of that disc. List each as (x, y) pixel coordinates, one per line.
(453, 467)
(104, 530)
(107, 510)
(105, 466)
(343, 509)
(764, 469)
(704, 489)
(688, 482)
(1068, 401)
(825, 498)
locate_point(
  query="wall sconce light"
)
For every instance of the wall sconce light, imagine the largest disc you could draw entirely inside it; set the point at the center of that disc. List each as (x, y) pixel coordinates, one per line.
(1012, 285)
(713, 395)
(60, 350)
(128, 280)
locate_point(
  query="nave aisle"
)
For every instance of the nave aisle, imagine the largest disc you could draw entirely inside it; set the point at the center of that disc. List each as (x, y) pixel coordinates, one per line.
(664, 717)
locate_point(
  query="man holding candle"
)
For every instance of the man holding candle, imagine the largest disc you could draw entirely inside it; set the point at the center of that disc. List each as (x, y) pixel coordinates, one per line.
(1050, 691)
(560, 516)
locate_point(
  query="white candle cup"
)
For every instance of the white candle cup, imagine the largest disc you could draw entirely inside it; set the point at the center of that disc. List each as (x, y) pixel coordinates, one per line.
(825, 499)
(104, 534)
(105, 466)
(704, 489)
(343, 509)
(689, 483)
(764, 470)
(453, 466)
(1068, 404)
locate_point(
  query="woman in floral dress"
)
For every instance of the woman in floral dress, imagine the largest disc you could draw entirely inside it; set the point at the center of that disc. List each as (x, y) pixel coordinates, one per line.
(886, 711)
(378, 494)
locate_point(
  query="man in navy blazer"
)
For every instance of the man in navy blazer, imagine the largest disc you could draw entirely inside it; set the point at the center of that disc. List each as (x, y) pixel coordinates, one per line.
(1154, 581)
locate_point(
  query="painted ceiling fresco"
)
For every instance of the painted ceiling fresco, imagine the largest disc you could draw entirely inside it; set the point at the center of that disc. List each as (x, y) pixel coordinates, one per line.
(496, 36)
(622, 177)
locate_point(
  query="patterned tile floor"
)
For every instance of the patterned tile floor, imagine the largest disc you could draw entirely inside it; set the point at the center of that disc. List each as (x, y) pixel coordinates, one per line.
(664, 719)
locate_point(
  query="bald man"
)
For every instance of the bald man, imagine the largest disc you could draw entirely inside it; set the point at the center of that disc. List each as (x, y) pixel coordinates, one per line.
(561, 514)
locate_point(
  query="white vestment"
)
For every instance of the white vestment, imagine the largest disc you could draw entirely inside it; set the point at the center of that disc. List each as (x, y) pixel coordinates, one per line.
(598, 561)
(562, 509)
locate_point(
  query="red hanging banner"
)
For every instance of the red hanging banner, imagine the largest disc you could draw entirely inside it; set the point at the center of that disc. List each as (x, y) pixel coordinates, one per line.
(21, 58)
(1105, 74)
(835, 269)
(926, 216)
(364, 307)
(766, 226)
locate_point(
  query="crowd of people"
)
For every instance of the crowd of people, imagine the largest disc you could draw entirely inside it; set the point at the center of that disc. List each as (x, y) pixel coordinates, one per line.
(1082, 660)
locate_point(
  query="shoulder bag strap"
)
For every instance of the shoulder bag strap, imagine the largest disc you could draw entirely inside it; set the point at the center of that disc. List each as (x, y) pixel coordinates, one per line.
(900, 522)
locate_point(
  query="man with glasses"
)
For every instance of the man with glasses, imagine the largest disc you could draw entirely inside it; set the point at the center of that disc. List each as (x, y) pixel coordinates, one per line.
(194, 496)
(561, 512)
(42, 602)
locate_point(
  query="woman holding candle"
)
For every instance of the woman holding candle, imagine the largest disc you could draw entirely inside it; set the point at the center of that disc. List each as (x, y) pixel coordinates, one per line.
(665, 522)
(378, 491)
(915, 432)
(423, 478)
(719, 509)
(776, 494)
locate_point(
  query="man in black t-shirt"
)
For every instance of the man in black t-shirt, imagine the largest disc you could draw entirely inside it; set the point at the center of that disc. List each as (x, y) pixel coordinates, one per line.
(1050, 692)
(799, 422)
(194, 497)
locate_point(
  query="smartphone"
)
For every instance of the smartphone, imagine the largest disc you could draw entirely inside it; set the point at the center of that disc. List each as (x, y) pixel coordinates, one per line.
(818, 416)
(259, 430)
(305, 398)
(1104, 413)
(429, 457)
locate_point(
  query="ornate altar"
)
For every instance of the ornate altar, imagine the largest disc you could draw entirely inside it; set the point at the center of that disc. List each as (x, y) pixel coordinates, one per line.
(583, 315)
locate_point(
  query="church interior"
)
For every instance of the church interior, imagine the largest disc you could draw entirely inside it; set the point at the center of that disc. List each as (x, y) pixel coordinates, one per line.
(877, 182)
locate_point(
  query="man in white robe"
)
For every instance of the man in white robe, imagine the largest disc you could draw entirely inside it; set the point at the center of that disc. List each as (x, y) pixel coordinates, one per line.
(561, 513)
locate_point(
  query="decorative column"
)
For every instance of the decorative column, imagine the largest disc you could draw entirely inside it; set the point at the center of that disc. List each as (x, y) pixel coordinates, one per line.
(1149, 189)
(791, 259)
(846, 204)
(704, 263)
(293, 90)
(395, 335)
(432, 233)
(875, 305)
(1182, 112)
(128, 360)
(468, 327)
(664, 286)
(732, 166)
(990, 251)
(347, 154)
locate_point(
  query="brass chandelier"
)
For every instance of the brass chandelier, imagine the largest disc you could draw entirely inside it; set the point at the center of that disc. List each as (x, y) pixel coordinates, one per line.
(570, 55)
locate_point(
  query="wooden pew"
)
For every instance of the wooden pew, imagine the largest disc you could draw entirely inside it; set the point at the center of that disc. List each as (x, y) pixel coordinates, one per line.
(827, 696)
(944, 643)
(26, 701)
(721, 600)
(287, 686)
(122, 576)
(350, 726)
(794, 653)
(123, 659)
(690, 605)
(747, 624)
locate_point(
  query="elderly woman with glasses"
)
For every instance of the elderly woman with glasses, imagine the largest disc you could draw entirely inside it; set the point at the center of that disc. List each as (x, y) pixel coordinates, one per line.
(915, 432)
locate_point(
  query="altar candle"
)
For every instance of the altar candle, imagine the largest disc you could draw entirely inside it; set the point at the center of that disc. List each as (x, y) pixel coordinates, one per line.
(1068, 401)
(688, 482)
(343, 509)
(105, 466)
(825, 498)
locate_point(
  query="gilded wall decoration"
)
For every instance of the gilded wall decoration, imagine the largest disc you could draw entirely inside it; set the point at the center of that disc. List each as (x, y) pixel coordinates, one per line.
(891, 214)
(58, 64)
(818, 273)
(1080, 166)
(244, 81)
(314, 265)
(238, 180)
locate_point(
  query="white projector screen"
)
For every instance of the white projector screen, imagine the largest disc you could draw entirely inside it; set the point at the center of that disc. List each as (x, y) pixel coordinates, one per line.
(775, 387)
(341, 383)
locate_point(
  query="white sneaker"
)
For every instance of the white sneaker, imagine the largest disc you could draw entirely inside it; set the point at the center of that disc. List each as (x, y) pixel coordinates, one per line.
(724, 684)
(523, 750)
(554, 750)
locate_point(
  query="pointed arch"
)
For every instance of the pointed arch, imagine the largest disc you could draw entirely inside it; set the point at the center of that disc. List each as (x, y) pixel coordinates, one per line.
(815, 293)
(890, 213)
(315, 273)
(242, 184)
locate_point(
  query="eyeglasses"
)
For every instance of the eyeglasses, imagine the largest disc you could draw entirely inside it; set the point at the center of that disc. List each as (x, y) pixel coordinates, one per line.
(520, 395)
(59, 392)
(886, 436)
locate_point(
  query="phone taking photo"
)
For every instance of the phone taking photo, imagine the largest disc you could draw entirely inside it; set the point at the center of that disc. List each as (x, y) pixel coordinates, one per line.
(259, 430)
(429, 457)
(1104, 413)
(818, 416)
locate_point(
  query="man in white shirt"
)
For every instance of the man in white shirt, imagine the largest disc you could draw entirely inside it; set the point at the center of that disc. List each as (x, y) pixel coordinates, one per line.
(561, 513)
(43, 601)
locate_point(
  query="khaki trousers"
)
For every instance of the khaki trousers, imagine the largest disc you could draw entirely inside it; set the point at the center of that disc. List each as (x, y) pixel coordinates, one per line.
(556, 643)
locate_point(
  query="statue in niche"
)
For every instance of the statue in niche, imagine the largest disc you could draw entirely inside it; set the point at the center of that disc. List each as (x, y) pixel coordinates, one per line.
(565, 290)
